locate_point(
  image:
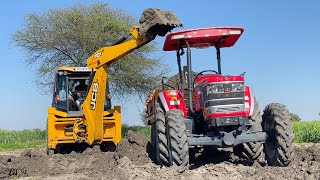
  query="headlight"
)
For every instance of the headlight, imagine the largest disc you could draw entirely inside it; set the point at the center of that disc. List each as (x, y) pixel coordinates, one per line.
(237, 87)
(215, 88)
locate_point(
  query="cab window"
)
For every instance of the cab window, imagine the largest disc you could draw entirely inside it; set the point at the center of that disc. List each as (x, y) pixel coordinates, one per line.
(60, 92)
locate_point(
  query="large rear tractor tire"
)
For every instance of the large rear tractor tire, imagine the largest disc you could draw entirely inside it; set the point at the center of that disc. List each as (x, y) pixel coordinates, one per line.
(159, 140)
(253, 150)
(279, 144)
(179, 147)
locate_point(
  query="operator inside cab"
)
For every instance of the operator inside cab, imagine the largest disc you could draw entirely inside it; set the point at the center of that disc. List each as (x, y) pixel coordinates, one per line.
(71, 89)
(78, 92)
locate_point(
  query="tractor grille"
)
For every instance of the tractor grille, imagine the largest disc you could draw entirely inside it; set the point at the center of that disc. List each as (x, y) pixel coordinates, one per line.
(225, 100)
(228, 109)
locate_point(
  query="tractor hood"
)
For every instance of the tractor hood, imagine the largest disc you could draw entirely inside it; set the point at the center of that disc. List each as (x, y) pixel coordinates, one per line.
(217, 78)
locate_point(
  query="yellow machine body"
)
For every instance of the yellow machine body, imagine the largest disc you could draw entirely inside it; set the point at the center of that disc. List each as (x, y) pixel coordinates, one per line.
(94, 121)
(58, 121)
(93, 125)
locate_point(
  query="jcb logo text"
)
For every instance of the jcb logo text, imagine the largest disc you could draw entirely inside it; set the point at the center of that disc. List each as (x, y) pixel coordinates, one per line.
(94, 96)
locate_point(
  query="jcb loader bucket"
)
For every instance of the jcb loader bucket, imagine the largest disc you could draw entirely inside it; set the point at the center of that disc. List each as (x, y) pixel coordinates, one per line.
(157, 22)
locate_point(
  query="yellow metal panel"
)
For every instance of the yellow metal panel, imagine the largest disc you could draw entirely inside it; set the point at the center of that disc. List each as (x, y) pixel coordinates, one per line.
(73, 69)
(118, 123)
(50, 129)
(108, 112)
(56, 128)
(110, 130)
(93, 105)
(52, 110)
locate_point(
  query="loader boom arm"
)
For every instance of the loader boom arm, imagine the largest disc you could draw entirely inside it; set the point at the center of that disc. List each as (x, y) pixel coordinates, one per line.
(153, 22)
(93, 106)
(108, 55)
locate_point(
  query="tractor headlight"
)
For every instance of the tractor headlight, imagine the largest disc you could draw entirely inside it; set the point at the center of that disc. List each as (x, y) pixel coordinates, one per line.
(237, 87)
(215, 88)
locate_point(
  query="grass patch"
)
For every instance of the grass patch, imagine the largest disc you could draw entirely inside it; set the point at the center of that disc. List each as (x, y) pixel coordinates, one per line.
(307, 131)
(146, 130)
(10, 140)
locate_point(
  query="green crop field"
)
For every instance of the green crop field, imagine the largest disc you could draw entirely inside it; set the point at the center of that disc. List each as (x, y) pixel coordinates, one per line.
(305, 132)
(10, 140)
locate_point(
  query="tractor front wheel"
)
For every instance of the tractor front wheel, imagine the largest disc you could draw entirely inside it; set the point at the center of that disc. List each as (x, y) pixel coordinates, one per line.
(279, 144)
(159, 140)
(179, 147)
(253, 150)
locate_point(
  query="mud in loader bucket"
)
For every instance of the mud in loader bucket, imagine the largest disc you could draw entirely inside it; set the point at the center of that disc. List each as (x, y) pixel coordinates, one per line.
(157, 22)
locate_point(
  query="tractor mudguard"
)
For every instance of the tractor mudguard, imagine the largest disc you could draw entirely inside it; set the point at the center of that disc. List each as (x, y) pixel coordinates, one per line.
(172, 99)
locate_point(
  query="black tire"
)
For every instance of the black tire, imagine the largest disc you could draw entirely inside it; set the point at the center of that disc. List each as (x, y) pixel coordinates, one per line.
(152, 135)
(50, 152)
(279, 144)
(179, 147)
(159, 140)
(253, 150)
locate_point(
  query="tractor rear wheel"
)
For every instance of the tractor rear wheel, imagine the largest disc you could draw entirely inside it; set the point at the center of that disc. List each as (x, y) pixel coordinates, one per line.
(179, 147)
(159, 140)
(253, 150)
(279, 144)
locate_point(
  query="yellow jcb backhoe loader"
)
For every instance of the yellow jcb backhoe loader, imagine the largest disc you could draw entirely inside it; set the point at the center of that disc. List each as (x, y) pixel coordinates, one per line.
(81, 113)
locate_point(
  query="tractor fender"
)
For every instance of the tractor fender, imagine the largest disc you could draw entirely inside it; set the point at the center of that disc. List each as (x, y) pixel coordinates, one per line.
(172, 99)
(163, 101)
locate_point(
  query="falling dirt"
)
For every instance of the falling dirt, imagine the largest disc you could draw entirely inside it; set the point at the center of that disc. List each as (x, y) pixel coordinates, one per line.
(131, 160)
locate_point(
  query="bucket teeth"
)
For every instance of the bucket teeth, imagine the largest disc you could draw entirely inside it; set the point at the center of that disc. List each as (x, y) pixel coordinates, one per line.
(157, 22)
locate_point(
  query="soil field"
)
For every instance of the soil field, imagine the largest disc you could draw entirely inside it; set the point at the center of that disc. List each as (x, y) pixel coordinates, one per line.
(131, 160)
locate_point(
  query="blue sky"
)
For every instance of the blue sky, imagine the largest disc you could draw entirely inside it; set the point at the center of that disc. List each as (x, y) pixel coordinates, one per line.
(279, 50)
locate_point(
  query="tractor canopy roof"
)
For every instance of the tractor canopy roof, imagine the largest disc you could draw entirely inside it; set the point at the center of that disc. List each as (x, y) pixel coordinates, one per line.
(204, 37)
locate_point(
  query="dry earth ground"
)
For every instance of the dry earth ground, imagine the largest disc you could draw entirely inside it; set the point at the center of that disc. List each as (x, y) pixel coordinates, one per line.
(131, 161)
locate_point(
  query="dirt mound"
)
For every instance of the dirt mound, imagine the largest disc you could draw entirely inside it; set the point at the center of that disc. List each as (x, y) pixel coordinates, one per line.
(135, 148)
(131, 161)
(36, 163)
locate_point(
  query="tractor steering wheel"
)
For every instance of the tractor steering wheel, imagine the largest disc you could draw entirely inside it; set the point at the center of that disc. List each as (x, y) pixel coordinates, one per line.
(201, 73)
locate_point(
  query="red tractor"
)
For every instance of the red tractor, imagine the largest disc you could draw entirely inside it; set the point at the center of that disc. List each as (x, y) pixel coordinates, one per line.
(212, 109)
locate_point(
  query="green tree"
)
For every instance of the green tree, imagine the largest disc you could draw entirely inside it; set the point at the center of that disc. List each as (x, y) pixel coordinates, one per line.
(295, 117)
(68, 36)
